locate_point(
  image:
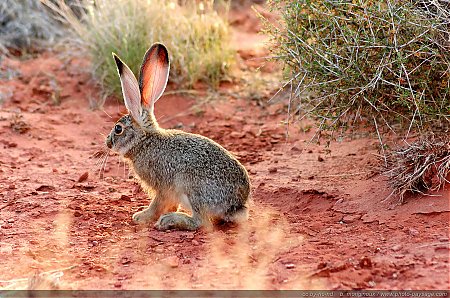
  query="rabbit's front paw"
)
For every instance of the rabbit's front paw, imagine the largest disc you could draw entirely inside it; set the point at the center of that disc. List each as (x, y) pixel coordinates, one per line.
(143, 216)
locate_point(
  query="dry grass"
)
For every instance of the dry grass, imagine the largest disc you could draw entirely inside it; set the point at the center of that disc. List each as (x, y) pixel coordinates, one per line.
(421, 166)
(196, 35)
(26, 26)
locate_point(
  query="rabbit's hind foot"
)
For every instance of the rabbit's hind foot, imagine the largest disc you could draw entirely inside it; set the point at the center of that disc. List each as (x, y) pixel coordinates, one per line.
(178, 221)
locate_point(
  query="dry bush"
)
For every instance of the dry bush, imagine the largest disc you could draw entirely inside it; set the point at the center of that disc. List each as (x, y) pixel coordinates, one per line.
(196, 36)
(381, 64)
(26, 26)
(367, 61)
(421, 166)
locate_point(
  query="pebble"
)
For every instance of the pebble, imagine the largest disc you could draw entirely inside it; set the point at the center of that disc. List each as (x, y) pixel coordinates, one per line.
(83, 177)
(365, 262)
(320, 159)
(195, 242)
(6, 226)
(11, 220)
(273, 170)
(413, 232)
(351, 218)
(396, 247)
(290, 266)
(172, 261)
(125, 198)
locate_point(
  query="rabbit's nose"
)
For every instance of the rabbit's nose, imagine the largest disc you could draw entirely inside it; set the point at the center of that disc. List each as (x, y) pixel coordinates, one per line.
(108, 142)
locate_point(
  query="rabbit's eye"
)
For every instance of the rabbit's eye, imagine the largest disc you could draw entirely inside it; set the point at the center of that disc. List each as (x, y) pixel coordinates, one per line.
(118, 129)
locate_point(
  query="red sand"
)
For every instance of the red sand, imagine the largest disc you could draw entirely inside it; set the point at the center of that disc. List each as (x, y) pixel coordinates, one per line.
(318, 220)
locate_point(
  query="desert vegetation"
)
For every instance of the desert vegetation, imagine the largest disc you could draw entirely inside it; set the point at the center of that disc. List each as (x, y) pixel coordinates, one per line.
(26, 26)
(197, 36)
(374, 64)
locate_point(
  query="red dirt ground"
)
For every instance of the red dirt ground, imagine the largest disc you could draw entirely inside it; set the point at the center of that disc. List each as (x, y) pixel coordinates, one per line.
(319, 219)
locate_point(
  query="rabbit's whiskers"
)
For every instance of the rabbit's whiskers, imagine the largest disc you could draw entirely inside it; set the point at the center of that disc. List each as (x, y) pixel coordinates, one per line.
(99, 162)
(107, 113)
(102, 170)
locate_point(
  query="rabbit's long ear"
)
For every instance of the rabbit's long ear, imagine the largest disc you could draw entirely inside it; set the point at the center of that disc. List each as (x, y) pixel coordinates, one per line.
(154, 75)
(130, 89)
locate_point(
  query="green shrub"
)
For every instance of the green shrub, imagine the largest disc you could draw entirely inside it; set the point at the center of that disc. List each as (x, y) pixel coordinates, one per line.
(384, 63)
(196, 36)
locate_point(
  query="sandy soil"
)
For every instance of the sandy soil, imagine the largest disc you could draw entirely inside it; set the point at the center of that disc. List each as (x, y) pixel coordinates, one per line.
(319, 218)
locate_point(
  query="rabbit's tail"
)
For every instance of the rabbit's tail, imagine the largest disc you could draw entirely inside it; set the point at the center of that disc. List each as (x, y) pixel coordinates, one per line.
(237, 216)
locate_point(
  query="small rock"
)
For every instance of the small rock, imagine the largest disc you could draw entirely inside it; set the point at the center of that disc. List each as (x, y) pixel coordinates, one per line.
(290, 266)
(77, 213)
(45, 188)
(349, 218)
(365, 262)
(325, 272)
(6, 226)
(311, 178)
(310, 151)
(320, 158)
(195, 242)
(11, 220)
(159, 249)
(125, 198)
(413, 232)
(55, 170)
(441, 248)
(118, 284)
(125, 261)
(396, 247)
(83, 177)
(11, 186)
(172, 261)
(273, 170)
(94, 243)
(295, 149)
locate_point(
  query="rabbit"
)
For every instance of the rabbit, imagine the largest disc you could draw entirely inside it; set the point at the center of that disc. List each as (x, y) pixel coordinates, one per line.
(181, 168)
